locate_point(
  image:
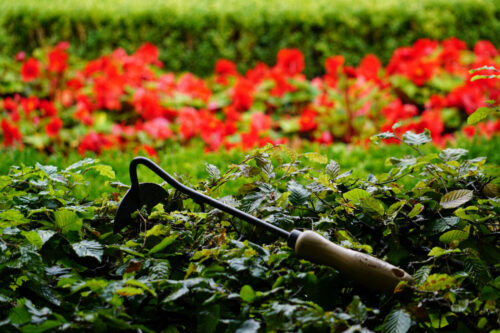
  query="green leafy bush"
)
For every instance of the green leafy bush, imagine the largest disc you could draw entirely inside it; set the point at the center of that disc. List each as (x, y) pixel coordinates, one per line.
(192, 35)
(186, 268)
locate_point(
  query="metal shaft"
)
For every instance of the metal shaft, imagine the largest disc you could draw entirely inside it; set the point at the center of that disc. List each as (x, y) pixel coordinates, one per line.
(198, 196)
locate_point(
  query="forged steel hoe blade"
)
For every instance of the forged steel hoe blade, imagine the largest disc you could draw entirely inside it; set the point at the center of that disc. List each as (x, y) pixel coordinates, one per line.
(145, 194)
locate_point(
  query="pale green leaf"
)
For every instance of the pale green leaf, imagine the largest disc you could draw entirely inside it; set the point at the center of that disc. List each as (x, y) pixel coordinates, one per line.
(373, 205)
(129, 291)
(247, 293)
(316, 157)
(67, 220)
(417, 209)
(356, 195)
(456, 198)
(478, 115)
(453, 235)
(104, 170)
(164, 243)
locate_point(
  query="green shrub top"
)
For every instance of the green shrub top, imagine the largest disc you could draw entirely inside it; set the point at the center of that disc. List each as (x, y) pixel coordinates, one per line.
(193, 34)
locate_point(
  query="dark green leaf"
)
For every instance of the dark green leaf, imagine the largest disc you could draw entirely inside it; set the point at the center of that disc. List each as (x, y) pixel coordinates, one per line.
(398, 321)
(298, 193)
(249, 326)
(87, 248)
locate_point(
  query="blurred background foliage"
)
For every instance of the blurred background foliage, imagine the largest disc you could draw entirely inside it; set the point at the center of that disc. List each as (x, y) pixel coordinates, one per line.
(192, 34)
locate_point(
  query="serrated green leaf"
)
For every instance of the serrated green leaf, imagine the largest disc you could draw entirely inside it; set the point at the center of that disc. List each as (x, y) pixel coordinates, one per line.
(19, 315)
(316, 157)
(34, 238)
(356, 195)
(213, 171)
(397, 321)
(456, 198)
(87, 248)
(421, 275)
(413, 139)
(453, 235)
(372, 205)
(394, 209)
(176, 294)
(332, 169)
(164, 243)
(247, 294)
(452, 154)
(298, 193)
(478, 115)
(385, 135)
(82, 163)
(104, 170)
(292, 154)
(417, 209)
(67, 220)
(483, 68)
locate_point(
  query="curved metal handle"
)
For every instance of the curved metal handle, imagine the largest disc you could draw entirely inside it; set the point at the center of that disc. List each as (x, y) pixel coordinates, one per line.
(197, 195)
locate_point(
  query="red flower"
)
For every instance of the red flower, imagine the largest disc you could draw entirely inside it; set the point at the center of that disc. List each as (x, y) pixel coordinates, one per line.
(48, 108)
(94, 142)
(147, 103)
(30, 70)
(223, 69)
(148, 149)
(242, 95)
(485, 50)
(193, 86)
(469, 130)
(20, 56)
(148, 54)
(281, 85)
(369, 67)
(29, 104)
(11, 134)
(158, 128)
(260, 122)
(257, 74)
(189, 122)
(11, 107)
(325, 138)
(58, 61)
(53, 127)
(290, 61)
(333, 66)
(307, 120)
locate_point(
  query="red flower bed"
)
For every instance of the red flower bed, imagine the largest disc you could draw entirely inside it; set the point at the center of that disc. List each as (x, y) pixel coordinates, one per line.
(121, 100)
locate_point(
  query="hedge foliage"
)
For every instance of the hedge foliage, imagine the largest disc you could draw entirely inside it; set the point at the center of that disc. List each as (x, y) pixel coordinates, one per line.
(193, 35)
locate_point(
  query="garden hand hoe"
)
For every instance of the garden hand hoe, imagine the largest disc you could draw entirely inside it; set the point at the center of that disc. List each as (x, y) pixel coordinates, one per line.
(372, 272)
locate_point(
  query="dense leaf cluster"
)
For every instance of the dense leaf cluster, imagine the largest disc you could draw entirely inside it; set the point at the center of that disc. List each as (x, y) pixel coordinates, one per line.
(186, 267)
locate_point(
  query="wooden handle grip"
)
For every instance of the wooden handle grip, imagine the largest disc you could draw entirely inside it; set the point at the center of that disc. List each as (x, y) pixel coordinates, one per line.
(372, 272)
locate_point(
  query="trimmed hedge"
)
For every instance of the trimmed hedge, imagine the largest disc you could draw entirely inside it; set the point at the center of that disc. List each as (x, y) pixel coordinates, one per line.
(193, 35)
